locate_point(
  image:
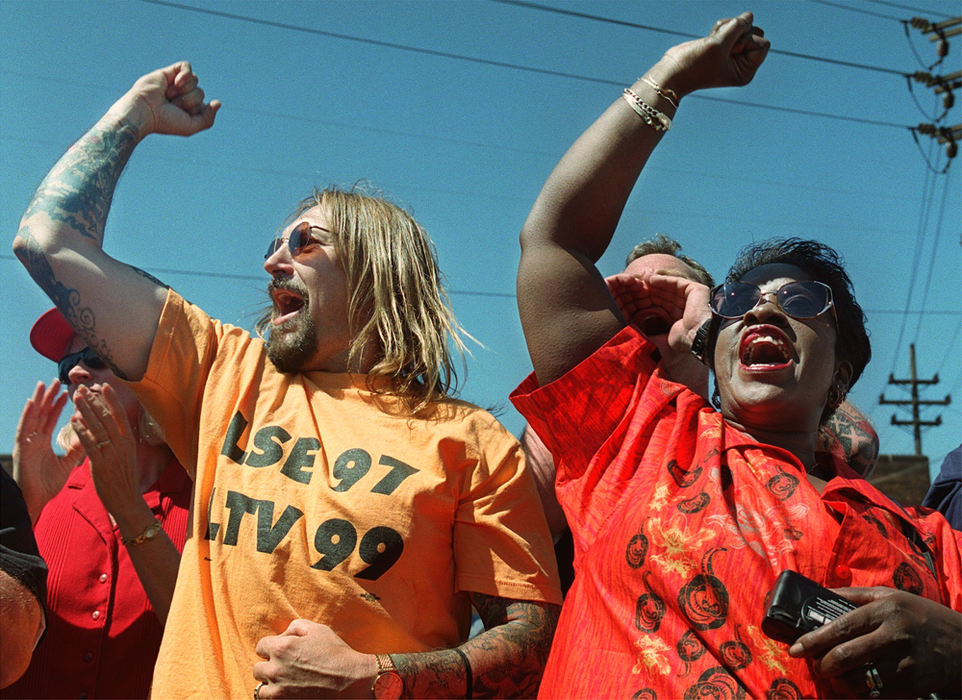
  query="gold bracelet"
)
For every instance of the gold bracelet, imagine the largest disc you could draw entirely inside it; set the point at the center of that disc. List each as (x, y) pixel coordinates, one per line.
(666, 93)
(658, 121)
(148, 534)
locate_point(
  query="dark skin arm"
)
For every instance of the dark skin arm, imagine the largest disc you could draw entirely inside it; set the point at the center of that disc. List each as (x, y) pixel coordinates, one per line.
(566, 309)
(507, 659)
(913, 642)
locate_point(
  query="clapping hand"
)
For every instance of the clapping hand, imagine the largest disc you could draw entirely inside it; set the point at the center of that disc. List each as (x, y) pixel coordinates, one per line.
(109, 441)
(39, 472)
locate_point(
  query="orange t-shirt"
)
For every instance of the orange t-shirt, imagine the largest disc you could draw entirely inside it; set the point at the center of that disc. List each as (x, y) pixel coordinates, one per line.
(313, 501)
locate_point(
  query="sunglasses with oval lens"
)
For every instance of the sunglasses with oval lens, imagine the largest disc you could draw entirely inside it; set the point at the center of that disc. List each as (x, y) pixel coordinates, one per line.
(802, 299)
(87, 356)
(300, 238)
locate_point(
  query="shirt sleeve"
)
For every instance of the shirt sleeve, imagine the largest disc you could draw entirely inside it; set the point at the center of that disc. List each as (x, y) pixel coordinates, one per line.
(172, 388)
(578, 412)
(605, 419)
(945, 494)
(501, 541)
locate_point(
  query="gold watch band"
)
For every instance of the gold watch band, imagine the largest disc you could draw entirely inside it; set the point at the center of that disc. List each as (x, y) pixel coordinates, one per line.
(388, 684)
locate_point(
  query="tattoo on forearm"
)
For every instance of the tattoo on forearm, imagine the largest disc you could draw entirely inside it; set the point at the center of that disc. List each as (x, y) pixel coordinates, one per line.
(507, 659)
(76, 195)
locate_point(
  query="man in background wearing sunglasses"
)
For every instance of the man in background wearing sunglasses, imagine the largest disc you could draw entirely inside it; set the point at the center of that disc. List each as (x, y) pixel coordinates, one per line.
(347, 511)
(110, 518)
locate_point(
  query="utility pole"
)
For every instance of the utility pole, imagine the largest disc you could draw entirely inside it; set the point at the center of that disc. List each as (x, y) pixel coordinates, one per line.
(915, 402)
(939, 33)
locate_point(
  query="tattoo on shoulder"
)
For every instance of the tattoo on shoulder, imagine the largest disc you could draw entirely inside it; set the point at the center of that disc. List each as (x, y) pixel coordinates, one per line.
(854, 434)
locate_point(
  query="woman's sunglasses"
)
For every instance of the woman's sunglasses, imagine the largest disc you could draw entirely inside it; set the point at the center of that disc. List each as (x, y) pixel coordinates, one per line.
(300, 238)
(801, 300)
(87, 356)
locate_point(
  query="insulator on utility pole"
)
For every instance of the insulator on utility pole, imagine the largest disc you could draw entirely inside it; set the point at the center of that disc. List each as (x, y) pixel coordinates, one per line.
(944, 135)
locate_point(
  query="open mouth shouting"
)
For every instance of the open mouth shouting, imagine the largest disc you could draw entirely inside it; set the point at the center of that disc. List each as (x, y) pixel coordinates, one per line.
(288, 301)
(765, 348)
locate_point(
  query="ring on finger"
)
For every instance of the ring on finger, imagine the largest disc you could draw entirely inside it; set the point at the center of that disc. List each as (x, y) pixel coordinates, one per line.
(873, 681)
(102, 444)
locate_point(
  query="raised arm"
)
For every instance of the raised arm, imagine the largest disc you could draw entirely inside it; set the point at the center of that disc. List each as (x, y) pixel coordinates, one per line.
(566, 309)
(114, 306)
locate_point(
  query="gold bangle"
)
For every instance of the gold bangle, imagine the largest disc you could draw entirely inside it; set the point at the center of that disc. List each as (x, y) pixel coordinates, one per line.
(658, 121)
(666, 93)
(148, 534)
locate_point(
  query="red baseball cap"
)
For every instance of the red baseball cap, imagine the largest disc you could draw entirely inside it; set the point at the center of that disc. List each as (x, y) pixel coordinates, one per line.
(51, 335)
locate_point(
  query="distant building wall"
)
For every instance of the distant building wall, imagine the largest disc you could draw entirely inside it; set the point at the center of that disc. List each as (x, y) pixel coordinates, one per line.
(903, 478)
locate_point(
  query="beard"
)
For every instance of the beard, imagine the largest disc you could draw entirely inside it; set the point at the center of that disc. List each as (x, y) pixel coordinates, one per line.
(292, 344)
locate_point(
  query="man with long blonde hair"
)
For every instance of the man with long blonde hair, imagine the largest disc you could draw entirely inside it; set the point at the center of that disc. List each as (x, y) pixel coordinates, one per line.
(347, 511)
(397, 308)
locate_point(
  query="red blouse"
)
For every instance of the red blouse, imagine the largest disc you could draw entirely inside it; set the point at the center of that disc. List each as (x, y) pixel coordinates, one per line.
(102, 635)
(681, 525)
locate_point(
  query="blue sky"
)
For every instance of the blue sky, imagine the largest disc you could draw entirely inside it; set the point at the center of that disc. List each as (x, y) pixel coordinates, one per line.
(459, 109)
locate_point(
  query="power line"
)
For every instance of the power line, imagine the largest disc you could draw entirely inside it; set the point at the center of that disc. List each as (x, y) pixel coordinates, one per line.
(374, 42)
(464, 292)
(531, 5)
(935, 248)
(908, 7)
(855, 9)
(262, 279)
(635, 25)
(596, 18)
(914, 312)
(927, 188)
(194, 162)
(278, 115)
(532, 69)
(926, 66)
(950, 351)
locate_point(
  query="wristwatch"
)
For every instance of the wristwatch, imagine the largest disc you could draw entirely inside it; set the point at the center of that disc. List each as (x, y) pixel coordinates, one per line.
(699, 345)
(388, 684)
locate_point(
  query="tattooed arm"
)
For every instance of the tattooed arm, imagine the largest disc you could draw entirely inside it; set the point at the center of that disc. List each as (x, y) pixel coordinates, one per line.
(114, 306)
(849, 434)
(506, 660)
